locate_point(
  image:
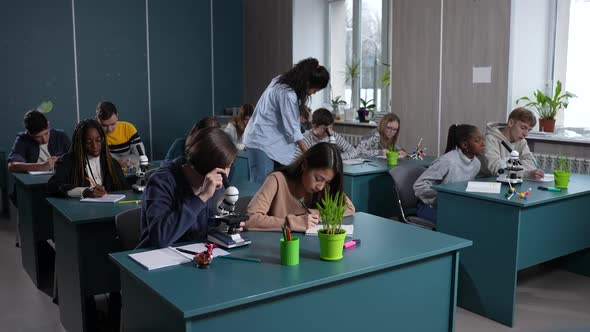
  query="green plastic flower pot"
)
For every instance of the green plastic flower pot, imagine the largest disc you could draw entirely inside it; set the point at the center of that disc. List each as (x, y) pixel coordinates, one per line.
(561, 179)
(331, 246)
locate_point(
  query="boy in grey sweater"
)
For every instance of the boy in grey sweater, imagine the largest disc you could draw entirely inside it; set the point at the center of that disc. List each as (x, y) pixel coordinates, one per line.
(520, 123)
(322, 123)
(464, 143)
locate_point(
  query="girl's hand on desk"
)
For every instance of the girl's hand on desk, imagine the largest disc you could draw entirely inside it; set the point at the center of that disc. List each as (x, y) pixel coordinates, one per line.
(94, 192)
(401, 153)
(302, 223)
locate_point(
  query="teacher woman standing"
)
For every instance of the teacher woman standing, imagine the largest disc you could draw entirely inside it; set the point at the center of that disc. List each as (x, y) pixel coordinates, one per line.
(273, 132)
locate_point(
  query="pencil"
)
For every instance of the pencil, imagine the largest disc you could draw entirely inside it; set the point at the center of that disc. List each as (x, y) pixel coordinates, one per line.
(241, 258)
(304, 206)
(136, 201)
(92, 183)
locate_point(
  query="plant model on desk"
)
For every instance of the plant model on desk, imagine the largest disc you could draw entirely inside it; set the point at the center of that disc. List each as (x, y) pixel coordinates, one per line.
(562, 173)
(547, 106)
(418, 152)
(332, 208)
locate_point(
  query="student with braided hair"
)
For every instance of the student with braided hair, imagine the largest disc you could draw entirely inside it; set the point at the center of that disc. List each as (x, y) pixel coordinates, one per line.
(88, 159)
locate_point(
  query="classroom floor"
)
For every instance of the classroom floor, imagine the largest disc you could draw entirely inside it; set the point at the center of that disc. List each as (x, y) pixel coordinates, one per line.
(548, 299)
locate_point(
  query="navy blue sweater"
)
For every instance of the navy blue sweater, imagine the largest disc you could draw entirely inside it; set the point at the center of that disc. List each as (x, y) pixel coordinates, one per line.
(26, 149)
(170, 212)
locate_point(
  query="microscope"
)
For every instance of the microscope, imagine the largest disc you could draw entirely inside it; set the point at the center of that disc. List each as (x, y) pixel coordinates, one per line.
(226, 235)
(142, 168)
(513, 172)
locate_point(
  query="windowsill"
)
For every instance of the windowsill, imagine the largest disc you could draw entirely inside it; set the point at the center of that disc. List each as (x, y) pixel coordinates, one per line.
(356, 123)
(560, 136)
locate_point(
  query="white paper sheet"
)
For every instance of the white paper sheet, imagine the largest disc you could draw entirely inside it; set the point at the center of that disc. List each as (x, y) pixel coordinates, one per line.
(108, 198)
(314, 230)
(484, 187)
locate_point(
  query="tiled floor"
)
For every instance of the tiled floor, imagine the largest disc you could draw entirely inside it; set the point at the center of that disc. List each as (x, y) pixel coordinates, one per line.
(548, 300)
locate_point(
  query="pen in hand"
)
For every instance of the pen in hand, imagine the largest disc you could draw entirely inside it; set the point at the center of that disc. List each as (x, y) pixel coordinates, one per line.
(305, 206)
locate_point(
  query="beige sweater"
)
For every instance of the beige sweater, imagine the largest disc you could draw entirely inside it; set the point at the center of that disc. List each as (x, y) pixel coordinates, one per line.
(274, 205)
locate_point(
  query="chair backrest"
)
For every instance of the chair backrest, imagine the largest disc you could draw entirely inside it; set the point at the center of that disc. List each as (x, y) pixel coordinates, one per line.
(404, 177)
(128, 228)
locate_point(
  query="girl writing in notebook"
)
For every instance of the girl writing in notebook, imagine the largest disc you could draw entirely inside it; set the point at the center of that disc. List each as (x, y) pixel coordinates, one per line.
(87, 169)
(278, 201)
(182, 195)
(385, 137)
(459, 163)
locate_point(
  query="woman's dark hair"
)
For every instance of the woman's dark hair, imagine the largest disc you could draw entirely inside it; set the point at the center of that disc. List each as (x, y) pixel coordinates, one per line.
(239, 121)
(319, 156)
(459, 134)
(306, 74)
(322, 116)
(206, 122)
(387, 118)
(209, 148)
(79, 155)
(35, 122)
(105, 109)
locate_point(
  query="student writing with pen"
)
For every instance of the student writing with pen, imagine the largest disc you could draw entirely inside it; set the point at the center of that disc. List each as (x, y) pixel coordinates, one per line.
(277, 202)
(87, 170)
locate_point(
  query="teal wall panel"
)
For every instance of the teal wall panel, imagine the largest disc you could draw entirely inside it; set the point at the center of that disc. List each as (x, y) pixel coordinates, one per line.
(112, 65)
(180, 58)
(36, 63)
(229, 48)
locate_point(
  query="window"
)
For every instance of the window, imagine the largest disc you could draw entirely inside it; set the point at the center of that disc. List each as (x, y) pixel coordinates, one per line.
(356, 58)
(577, 60)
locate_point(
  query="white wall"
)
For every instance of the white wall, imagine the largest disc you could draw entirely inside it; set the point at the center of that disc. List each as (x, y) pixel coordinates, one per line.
(531, 35)
(309, 36)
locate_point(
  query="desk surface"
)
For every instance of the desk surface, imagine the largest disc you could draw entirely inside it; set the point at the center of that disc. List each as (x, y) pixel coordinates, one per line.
(31, 180)
(579, 185)
(77, 212)
(379, 165)
(194, 292)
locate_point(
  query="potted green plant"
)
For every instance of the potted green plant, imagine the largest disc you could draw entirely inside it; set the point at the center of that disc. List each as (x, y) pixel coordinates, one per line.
(331, 236)
(546, 106)
(352, 74)
(336, 102)
(562, 173)
(367, 107)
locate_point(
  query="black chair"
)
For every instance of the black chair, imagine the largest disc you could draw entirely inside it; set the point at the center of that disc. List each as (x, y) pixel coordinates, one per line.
(404, 177)
(128, 229)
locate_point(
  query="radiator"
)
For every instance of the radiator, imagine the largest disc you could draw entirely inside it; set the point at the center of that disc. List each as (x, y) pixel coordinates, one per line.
(352, 139)
(576, 165)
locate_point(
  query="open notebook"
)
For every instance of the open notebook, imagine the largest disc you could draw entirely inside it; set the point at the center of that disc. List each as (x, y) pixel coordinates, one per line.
(314, 230)
(108, 198)
(40, 172)
(159, 258)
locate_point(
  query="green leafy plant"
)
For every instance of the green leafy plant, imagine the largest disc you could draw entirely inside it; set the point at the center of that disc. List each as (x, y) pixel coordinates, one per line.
(367, 104)
(337, 102)
(353, 71)
(332, 208)
(547, 106)
(391, 148)
(45, 107)
(385, 78)
(563, 164)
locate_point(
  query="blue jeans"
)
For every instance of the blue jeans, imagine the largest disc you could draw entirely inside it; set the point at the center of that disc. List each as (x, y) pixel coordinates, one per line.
(260, 165)
(425, 211)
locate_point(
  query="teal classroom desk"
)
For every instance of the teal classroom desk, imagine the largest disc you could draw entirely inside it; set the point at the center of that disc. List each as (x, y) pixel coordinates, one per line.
(4, 186)
(511, 235)
(385, 281)
(370, 187)
(84, 234)
(35, 226)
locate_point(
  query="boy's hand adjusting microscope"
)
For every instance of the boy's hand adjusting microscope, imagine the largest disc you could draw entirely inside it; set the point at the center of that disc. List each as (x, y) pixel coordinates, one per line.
(227, 235)
(142, 168)
(513, 172)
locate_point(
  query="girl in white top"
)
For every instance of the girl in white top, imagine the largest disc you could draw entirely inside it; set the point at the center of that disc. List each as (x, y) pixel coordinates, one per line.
(87, 170)
(235, 127)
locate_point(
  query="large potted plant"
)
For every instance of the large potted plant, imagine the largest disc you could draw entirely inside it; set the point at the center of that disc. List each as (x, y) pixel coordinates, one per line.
(546, 106)
(331, 236)
(366, 108)
(562, 173)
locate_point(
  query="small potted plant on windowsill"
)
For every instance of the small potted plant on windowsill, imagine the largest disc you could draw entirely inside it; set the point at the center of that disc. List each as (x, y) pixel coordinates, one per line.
(332, 235)
(335, 103)
(562, 173)
(367, 107)
(547, 106)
